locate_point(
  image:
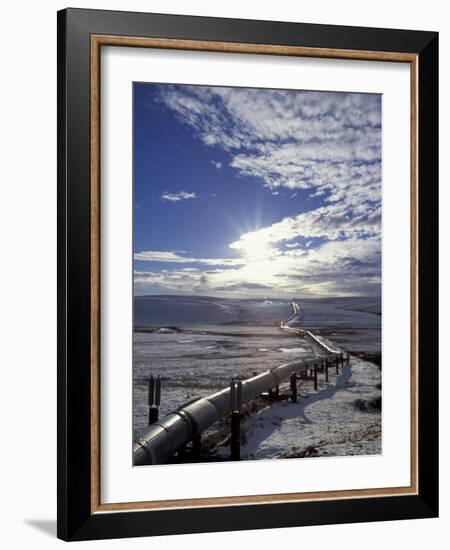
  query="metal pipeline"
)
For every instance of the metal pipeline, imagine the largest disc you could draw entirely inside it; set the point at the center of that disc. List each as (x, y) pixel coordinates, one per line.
(303, 332)
(164, 438)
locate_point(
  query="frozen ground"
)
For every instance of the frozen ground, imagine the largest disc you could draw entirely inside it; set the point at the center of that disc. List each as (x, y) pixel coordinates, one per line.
(323, 423)
(195, 360)
(318, 313)
(197, 344)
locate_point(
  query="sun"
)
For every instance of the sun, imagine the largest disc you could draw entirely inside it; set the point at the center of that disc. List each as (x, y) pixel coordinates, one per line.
(253, 246)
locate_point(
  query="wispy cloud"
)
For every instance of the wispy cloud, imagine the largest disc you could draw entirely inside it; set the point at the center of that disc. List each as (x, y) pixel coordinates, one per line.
(348, 267)
(330, 222)
(325, 142)
(176, 197)
(175, 257)
(323, 145)
(293, 139)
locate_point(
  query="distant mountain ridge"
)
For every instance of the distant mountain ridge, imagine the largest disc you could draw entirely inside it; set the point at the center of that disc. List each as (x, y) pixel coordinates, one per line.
(188, 309)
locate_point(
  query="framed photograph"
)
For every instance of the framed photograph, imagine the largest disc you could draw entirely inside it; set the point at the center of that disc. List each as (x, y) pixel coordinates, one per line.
(247, 274)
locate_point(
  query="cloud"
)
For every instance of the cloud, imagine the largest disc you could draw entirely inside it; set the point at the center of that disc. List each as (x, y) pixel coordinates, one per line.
(325, 142)
(176, 197)
(158, 256)
(330, 222)
(175, 257)
(323, 147)
(242, 287)
(341, 267)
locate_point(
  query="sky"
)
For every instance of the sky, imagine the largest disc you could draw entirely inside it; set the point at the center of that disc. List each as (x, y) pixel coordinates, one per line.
(248, 193)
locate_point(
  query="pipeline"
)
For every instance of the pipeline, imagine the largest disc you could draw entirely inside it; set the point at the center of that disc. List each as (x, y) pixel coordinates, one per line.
(324, 347)
(307, 333)
(295, 311)
(164, 438)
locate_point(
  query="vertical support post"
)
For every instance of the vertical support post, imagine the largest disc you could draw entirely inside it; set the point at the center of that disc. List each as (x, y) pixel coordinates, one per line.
(153, 415)
(151, 391)
(337, 365)
(151, 398)
(294, 387)
(326, 370)
(315, 377)
(158, 391)
(235, 436)
(154, 399)
(277, 392)
(235, 405)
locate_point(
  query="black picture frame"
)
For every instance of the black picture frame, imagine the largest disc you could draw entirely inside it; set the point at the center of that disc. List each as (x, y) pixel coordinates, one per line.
(76, 521)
